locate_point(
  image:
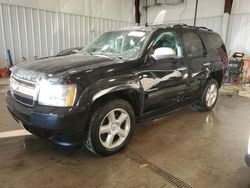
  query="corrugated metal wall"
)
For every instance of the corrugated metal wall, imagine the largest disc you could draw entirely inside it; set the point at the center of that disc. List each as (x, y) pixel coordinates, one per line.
(238, 34)
(30, 32)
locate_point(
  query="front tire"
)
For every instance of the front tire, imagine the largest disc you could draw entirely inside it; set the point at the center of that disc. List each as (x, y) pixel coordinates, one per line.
(110, 127)
(209, 96)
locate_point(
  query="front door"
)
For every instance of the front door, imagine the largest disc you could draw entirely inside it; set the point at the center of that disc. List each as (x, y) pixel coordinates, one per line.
(164, 81)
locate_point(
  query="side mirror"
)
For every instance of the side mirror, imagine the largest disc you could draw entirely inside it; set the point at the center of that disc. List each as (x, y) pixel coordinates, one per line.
(163, 53)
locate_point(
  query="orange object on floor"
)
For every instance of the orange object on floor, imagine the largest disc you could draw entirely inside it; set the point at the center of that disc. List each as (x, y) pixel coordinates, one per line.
(5, 73)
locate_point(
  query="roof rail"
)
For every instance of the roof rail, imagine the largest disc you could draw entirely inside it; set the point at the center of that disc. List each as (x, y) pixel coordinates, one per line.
(205, 28)
(185, 25)
(180, 26)
(161, 25)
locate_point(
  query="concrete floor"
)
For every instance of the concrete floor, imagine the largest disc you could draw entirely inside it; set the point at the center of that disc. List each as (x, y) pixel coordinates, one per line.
(200, 149)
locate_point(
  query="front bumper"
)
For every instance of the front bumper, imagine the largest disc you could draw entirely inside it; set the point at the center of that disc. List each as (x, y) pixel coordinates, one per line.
(63, 126)
(247, 159)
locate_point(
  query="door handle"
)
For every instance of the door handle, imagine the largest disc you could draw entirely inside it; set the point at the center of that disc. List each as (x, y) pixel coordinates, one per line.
(182, 68)
(207, 64)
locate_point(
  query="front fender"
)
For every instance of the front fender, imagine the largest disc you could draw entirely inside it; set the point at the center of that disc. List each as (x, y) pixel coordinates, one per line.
(132, 92)
(128, 86)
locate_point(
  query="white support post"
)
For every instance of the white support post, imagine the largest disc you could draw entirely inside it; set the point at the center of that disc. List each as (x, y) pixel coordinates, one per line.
(225, 26)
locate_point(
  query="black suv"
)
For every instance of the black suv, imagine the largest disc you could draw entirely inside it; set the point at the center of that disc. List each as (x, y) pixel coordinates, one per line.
(94, 97)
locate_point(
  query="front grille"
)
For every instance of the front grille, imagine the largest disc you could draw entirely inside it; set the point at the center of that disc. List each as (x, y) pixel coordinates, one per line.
(23, 91)
(30, 84)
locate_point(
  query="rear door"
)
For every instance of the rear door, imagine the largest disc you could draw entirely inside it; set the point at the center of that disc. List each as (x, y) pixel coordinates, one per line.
(198, 64)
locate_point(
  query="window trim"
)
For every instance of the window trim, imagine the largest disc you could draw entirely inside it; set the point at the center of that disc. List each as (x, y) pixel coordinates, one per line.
(177, 37)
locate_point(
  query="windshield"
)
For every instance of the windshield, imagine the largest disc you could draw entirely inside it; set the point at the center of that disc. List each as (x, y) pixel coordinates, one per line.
(123, 44)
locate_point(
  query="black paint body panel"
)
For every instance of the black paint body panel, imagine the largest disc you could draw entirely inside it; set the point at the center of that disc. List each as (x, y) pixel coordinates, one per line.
(155, 86)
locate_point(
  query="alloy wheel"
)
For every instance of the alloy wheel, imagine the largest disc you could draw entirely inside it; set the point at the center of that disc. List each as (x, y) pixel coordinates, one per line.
(114, 128)
(211, 96)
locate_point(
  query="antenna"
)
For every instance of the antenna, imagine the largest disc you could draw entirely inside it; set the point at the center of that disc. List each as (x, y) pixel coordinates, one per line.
(195, 13)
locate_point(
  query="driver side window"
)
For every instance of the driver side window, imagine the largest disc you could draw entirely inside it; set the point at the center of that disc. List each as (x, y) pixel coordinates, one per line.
(168, 39)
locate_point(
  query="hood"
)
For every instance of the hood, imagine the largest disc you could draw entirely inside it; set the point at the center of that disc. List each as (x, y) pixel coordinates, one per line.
(58, 65)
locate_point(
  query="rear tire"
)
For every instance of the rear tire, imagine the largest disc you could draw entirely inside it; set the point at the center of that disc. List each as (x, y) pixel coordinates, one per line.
(110, 128)
(209, 96)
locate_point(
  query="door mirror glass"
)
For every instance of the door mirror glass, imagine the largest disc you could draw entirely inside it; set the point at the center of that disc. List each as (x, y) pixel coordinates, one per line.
(164, 53)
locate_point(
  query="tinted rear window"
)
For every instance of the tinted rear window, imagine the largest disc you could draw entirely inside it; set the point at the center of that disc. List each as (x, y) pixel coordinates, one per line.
(192, 44)
(214, 40)
(216, 43)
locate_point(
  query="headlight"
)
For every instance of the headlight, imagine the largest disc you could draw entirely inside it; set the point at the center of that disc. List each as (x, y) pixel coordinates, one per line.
(57, 95)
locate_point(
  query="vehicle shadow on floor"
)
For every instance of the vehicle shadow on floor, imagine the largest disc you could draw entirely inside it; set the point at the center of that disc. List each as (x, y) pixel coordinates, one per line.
(32, 143)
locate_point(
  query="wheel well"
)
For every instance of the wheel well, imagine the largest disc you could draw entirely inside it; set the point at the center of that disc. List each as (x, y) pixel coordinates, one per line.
(218, 76)
(131, 96)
